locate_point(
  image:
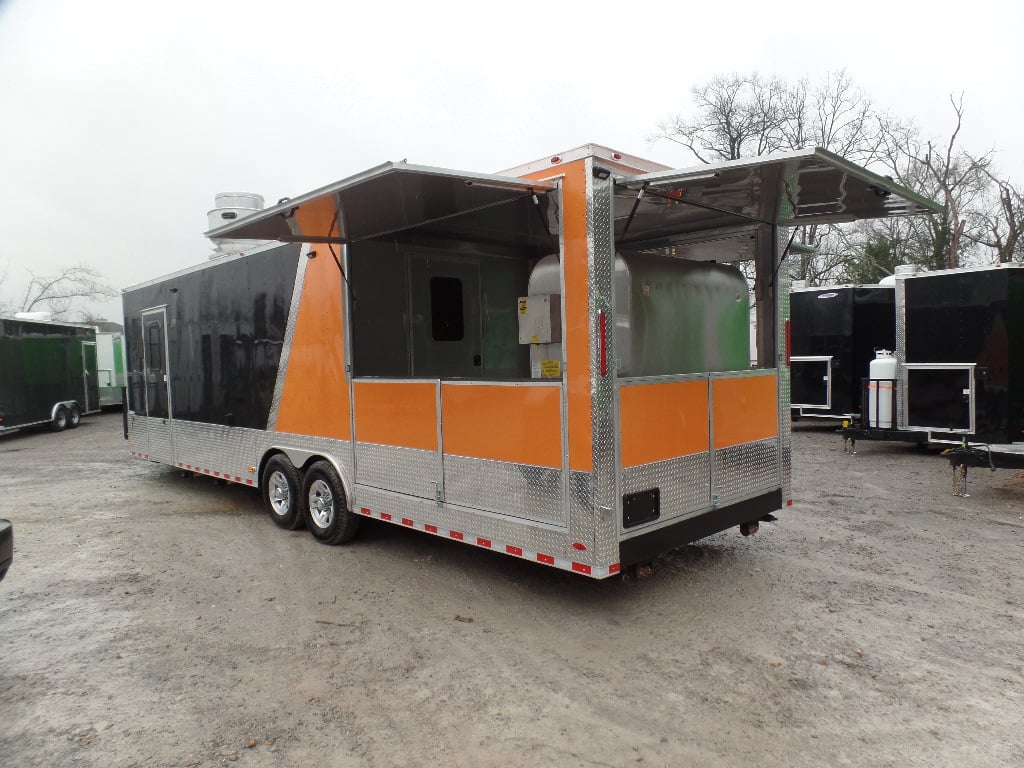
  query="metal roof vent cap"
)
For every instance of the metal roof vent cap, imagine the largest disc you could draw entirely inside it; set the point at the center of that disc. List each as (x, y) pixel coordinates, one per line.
(229, 207)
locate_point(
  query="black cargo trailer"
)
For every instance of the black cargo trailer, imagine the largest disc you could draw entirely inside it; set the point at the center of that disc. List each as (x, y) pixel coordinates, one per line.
(834, 333)
(961, 354)
(48, 373)
(959, 373)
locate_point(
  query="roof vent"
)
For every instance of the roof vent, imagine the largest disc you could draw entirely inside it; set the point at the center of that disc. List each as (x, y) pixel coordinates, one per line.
(230, 207)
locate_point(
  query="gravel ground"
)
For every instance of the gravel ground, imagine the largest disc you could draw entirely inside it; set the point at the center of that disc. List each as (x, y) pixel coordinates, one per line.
(153, 620)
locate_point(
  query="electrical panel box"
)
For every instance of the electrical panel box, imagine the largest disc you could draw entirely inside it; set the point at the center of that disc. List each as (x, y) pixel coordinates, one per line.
(540, 319)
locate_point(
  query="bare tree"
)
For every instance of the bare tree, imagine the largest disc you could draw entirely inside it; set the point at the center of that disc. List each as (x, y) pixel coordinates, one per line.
(58, 293)
(1004, 221)
(950, 175)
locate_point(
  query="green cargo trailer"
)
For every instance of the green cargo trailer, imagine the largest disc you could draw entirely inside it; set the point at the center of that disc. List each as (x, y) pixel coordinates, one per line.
(48, 373)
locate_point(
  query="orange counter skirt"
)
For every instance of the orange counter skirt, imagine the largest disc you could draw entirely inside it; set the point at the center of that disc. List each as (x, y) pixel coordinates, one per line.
(745, 409)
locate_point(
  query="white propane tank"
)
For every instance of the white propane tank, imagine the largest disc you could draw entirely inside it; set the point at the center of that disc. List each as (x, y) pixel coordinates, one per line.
(881, 389)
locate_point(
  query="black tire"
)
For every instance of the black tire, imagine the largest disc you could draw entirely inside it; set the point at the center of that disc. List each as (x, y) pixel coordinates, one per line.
(280, 487)
(60, 419)
(325, 507)
(74, 416)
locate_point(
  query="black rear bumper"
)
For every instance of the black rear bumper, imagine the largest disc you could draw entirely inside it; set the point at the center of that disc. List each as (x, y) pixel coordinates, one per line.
(647, 546)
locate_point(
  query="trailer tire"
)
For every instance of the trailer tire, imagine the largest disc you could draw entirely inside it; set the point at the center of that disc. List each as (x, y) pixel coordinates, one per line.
(60, 419)
(74, 416)
(280, 487)
(325, 506)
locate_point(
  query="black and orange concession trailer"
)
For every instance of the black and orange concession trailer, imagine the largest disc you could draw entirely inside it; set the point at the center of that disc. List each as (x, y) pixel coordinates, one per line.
(553, 362)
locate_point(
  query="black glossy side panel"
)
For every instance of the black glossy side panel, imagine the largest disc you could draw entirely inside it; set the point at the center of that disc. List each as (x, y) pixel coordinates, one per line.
(968, 317)
(849, 323)
(226, 328)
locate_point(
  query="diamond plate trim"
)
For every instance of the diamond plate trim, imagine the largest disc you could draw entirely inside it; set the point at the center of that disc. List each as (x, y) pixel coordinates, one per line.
(604, 484)
(745, 470)
(289, 335)
(901, 353)
(522, 490)
(405, 470)
(682, 482)
(783, 373)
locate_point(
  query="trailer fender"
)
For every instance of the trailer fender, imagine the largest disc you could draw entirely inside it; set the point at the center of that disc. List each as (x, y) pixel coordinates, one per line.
(301, 458)
(65, 404)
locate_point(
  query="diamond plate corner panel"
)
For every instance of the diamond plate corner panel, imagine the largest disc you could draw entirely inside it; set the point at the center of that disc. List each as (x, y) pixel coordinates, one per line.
(743, 470)
(783, 373)
(901, 354)
(601, 268)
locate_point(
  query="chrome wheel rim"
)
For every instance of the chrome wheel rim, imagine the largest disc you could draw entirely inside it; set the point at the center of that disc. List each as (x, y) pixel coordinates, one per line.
(280, 494)
(321, 503)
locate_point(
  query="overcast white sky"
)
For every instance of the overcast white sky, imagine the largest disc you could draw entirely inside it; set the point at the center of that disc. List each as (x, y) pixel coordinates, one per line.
(121, 119)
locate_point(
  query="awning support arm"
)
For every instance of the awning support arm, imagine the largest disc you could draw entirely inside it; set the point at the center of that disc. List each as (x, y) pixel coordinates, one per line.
(632, 212)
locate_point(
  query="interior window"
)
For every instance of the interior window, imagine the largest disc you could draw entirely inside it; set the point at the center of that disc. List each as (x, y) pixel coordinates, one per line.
(446, 313)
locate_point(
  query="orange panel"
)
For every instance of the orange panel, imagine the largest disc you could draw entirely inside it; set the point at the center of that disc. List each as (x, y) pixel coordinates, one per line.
(663, 421)
(745, 409)
(397, 413)
(576, 301)
(314, 400)
(504, 423)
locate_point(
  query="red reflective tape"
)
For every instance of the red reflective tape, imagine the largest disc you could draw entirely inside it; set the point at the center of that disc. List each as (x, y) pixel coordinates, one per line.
(430, 528)
(518, 552)
(238, 479)
(188, 466)
(546, 559)
(789, 343)
(603, 335)
(216, 474)
(581, 568)
(406, 521)
(249, 482)
(789, 502)
(456, 535)
(483, 542)
(385, 516)
(614, 568)
(365, 511)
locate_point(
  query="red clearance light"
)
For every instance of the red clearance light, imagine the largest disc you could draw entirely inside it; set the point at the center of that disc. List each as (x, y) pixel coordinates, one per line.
(789, 502)
(579, 545)
(556, 159)
(616, 156)
(603, 336)
(789, 343)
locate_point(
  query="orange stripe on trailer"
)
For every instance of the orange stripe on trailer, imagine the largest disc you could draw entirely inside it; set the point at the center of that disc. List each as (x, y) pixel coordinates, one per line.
(518, 424)
(397, 413)
(745, 409)
(663, 421)
(314, 400)
(576, 301)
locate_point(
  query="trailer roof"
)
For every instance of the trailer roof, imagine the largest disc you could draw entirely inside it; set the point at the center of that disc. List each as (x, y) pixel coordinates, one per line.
(808, 186)
(397, 197)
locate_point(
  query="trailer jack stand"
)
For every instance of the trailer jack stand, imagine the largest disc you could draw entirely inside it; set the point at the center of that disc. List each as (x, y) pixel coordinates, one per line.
(749, 529)
(960, 480)
(850, 446)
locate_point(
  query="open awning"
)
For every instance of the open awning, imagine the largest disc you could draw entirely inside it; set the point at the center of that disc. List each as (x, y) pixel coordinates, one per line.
(396, 198)
(812, 186)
